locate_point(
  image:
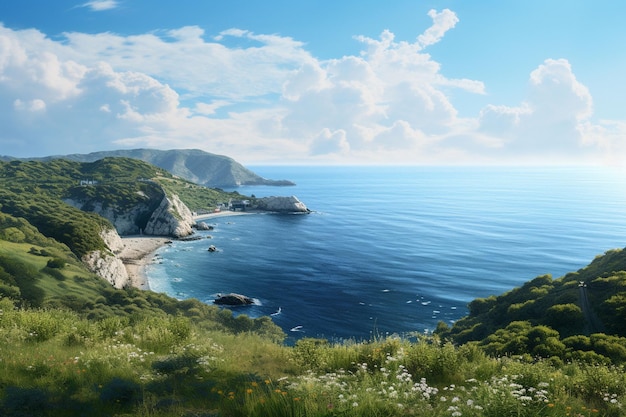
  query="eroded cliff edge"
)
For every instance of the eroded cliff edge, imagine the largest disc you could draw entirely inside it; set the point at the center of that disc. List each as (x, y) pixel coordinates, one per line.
(168, 217)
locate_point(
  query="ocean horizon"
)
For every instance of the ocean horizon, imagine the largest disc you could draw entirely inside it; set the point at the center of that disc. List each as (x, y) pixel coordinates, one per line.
(397, 249)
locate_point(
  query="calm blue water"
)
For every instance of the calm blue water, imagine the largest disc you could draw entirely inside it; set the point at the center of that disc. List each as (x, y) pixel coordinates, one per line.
(395, 250)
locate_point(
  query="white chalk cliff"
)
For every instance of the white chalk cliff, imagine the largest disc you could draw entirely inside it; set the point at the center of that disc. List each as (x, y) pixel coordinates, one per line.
(105, 263)
(171, 218)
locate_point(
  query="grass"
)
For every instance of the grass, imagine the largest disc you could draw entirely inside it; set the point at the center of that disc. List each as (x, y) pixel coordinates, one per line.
(57, 363)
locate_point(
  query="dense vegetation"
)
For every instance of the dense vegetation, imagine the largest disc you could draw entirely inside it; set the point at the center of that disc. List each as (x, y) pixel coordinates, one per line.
(35, 191)
(71, 345)
(580, 316)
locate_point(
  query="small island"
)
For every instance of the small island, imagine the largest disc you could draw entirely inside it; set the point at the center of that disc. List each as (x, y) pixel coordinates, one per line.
(233, 299)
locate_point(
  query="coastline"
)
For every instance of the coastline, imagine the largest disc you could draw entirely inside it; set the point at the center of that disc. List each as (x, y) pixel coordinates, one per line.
(137, 254)
(138, 250)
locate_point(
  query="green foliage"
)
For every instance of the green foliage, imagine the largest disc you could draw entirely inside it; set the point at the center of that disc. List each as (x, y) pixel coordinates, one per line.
(70, 344)
(196, 197)
(545, 317)
(35, 193)
(56, 263)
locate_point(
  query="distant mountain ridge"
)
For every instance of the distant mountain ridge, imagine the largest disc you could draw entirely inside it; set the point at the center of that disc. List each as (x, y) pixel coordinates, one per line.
(198, 166)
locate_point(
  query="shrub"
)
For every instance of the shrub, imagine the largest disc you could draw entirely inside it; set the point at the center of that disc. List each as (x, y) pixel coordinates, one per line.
(56, 263)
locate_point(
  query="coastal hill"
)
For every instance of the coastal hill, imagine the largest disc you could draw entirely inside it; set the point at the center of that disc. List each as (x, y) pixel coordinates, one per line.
(87, 206)
(194, 165)
(579, 316)
(75, 345)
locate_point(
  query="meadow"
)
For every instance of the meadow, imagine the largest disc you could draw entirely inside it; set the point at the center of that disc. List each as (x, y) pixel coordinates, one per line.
(54, 362)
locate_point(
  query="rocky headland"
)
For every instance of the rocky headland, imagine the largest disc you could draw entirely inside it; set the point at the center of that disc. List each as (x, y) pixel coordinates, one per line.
(130, 246)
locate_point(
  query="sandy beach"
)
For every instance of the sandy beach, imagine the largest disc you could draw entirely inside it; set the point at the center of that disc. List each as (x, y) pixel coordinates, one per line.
(137, 253)
(138, 250)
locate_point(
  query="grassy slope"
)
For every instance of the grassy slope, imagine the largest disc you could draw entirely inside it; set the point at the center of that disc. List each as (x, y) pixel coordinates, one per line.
(88, 349)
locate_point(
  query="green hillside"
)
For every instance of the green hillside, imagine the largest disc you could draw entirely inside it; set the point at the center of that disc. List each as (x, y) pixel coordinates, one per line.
(72, 345)
(194, 165)
(35, 191)
(581, 315)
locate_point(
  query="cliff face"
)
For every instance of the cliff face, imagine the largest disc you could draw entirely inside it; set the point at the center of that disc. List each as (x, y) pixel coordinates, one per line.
(171, 217)
(106, 264)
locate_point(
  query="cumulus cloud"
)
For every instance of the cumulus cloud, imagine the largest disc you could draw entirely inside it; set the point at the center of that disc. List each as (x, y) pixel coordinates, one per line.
(210, 68)
(328, 142)
(442, 22)
(265, 98)
(553, 120)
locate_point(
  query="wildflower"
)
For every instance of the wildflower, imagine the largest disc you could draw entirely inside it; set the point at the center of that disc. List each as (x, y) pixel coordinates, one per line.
(249, 391)
(254, 384)
(355, 404)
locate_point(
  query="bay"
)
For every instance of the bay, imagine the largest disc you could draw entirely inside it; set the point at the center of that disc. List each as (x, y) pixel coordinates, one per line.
(397, 249)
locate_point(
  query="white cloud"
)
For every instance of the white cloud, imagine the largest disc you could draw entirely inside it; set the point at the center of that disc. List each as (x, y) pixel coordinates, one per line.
(100, 5)
(552, 122)
(35, 105)
(210, 109)
(328, 142)
(264, 98)
(442, 22)
(197, 67)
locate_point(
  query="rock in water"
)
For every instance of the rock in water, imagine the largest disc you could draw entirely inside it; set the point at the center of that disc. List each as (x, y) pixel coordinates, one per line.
(233, 299)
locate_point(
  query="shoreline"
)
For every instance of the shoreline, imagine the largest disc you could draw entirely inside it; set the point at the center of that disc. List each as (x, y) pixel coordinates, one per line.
(137, 254)
(138, 251)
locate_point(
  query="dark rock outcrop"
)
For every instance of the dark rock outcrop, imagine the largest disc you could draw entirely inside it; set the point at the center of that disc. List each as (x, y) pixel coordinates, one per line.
(203, 226)
(233, 299)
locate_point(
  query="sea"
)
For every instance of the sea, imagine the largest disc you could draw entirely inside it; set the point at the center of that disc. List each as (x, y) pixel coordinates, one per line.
(396, 250)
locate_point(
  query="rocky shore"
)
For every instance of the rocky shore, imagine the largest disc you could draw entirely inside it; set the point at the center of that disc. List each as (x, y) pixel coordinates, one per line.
(137, 251)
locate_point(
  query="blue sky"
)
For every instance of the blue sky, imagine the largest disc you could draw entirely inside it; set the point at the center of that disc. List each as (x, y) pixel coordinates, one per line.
(318, 82)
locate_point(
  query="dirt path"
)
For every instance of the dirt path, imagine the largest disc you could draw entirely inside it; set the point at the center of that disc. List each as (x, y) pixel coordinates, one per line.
(593, 324)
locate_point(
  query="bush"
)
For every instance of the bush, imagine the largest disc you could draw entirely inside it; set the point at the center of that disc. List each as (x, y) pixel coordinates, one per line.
(57, 263)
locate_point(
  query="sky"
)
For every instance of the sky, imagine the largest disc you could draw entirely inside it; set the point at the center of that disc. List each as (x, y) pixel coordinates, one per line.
(368, 82)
